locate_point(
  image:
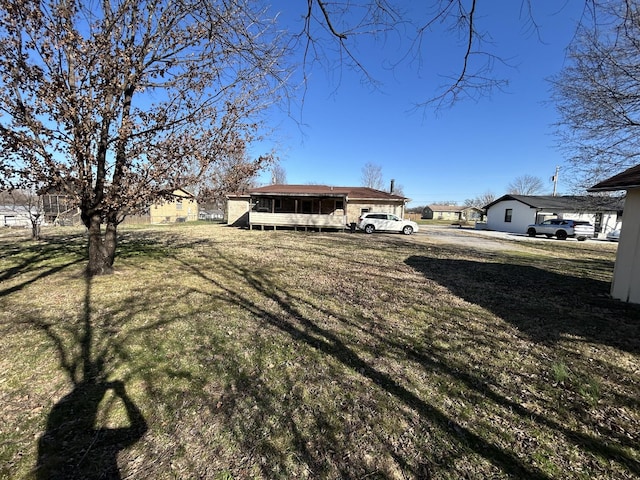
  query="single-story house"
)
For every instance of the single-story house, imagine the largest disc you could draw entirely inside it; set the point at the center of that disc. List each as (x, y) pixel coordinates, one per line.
(309, 206)
(183, 207)
(626, 273)
(513, 213)
(11, 216)
(454, 213)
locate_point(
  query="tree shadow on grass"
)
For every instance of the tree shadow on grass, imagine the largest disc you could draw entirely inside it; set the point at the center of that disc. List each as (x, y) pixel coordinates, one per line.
(543, 304)
(487, 281)
(304, 330)
(38, 260)
(72, 447)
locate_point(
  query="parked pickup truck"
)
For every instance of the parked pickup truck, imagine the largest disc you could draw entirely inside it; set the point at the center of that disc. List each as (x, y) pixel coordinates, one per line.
(561, 229)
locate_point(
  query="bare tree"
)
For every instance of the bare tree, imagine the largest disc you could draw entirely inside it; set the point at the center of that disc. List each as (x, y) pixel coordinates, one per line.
(234, 173)
(398, 189)
(598, 94)
(26, 203)
(481, 200)
(337, 29)
(525, 185)
(278, 175)
(372, 176)
(111, 102)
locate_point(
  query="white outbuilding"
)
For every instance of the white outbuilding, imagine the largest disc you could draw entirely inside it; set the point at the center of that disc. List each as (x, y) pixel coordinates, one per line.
(626, 273)
(514, 213)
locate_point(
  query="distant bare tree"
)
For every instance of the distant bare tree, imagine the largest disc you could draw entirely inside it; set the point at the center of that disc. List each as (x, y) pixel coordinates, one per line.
(525, 185)
(417, 209)
(481, 200)
(372, 176)
(398, 189)
(278, 175)
(235, 172)
(26, 203)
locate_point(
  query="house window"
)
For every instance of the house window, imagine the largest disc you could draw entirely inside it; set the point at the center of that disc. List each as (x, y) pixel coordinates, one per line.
(339, 205)
(508, 213)
(179, 204)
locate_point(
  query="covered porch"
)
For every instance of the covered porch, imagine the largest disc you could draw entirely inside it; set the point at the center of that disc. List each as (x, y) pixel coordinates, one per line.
(298, 211)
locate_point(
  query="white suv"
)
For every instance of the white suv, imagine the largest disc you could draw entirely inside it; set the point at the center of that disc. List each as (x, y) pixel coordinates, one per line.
(562, 229)
(386, 222)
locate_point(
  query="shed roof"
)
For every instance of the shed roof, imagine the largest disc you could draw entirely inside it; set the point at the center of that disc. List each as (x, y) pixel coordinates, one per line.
(446, 208)
(359, 193)
(567, 203)
(630, 178)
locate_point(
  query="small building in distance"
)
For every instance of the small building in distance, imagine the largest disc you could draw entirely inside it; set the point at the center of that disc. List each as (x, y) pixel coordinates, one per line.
(453, 213)
(309, 206)
(183, 207)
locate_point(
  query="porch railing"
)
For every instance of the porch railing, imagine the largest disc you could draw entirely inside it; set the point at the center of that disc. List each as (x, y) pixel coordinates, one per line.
(297, 220)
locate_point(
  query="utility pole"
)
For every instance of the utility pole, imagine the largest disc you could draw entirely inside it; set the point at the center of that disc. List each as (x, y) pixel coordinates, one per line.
(555, 181)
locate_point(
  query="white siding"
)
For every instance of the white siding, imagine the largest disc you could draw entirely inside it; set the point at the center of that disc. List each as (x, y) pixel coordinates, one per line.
(609, 220)
(626, 274)
(522, 215)
(237, 212)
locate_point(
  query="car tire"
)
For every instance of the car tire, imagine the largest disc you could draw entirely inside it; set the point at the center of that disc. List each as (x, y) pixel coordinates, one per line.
(407, 230)
(561, 235)
(369, 229)
(531, 232)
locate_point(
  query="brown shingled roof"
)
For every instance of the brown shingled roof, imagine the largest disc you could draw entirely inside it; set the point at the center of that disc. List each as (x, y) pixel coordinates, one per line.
(630, 178)
(325, 190)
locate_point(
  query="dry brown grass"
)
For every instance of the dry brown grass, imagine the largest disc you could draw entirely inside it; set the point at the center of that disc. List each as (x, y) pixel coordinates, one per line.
(310, 355)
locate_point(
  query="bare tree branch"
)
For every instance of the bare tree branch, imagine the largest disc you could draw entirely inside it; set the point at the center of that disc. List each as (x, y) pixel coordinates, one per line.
(598, 94)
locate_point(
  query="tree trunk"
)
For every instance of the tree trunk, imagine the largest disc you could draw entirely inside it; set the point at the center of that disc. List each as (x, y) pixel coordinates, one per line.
(35, 226)
(100, 255)
(111, 241)
(35, 231)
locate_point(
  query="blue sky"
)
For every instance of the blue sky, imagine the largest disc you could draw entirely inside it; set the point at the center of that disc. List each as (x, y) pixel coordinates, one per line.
(458, 153)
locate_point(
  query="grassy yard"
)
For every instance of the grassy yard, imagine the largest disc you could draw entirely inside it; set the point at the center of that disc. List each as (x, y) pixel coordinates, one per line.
(220, 353)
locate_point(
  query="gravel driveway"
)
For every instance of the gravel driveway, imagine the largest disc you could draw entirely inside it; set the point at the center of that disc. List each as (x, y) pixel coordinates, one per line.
(489, 240)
